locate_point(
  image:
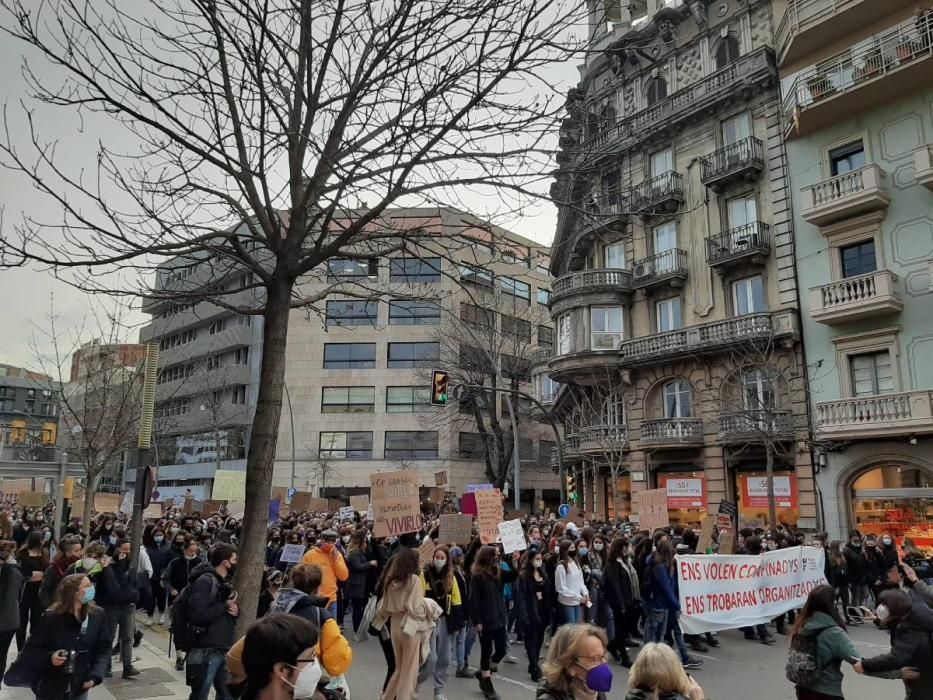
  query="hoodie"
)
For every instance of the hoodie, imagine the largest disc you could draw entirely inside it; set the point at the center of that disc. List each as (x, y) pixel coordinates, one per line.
(207, 608)
(833, 646)
(911, 645)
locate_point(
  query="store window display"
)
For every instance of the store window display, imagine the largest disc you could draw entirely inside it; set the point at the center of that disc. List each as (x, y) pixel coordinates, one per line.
(897, 499)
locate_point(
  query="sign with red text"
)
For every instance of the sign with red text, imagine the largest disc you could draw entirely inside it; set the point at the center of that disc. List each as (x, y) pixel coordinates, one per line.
(685, 493)
(755, 491)
(396, 505)
(726, 591)
(489, 515)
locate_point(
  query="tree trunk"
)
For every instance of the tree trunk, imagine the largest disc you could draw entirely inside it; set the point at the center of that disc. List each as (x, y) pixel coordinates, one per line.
(769, 466)
(260, 458)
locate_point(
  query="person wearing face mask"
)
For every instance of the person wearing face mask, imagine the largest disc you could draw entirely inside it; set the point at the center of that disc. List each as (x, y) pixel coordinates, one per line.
(575, 667)
(333, 567)
(488, 613)
(534, 595)
(11, 582)
(657, 674)
(440, 585)
(33, 561)
(175, 577)
(118, 594)
(465, 637)
(890, 577)
(103, 532)
(278, 660)
(617, 587)
(211, 606)
(160, 554)
(858, 574)
(68, 553)
(569, 584)
(273, 546)
(360, 566)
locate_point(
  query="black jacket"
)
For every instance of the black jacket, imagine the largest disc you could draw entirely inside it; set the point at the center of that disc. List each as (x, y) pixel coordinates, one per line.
(207, 608)
(159, 556)
(531, 610)
(546, 693)
(617, 587)
(911, 645)
(359, 568)
(11, 583)
(62, 631)
(855, 562)
(116, 585)
(178, 572)
(50, 580)
(487, 604)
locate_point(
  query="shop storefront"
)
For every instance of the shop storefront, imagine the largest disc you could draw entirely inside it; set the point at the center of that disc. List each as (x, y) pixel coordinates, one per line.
(619, 493)
(897, 499)
(751, 497)
(686, 494)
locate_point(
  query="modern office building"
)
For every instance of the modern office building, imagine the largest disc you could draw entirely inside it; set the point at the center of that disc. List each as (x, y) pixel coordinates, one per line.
(358, 375)
(857, 80)
(677, 350)
(28, 414)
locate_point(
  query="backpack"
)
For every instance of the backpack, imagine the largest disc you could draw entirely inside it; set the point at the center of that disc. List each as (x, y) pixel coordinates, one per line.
(802, 666)
(286, 608)
(183, 632)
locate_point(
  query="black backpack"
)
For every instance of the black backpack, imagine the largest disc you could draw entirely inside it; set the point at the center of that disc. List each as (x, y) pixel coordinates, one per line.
(184, 634)
(802, 666)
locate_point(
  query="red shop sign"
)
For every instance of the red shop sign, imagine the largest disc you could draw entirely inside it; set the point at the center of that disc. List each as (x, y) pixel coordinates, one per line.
(684, 492)
(755, 491)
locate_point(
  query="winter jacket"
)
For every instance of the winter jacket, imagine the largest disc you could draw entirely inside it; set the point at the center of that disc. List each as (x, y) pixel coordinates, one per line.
(63, 631)
(451, 603)
(533, 610)
(617, 587)
(487, 603)
(207, 608)
(117, 586)
(333, 569)
(833, 647)
(334, 650)
(176, 574)
(545, 693)
(463, 586)
(11, 581)
(658, 591)
(855, 561)
(159, 557)
(911, 645)
(50, 580)
(359, 568)
(924, 592)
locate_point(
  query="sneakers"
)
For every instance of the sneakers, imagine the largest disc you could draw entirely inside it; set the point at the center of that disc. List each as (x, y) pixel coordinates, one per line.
(161, 618)
(711, 640)
(509, 659)
(692, 662)
(769, 640)
(696, 643)
(150, 621)
(464, 672)
(632, 644)
(137, 638)
(179, 664)
(131, 672)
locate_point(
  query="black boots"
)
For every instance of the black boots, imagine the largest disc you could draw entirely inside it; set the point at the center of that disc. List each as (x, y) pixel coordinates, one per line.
(485, 685)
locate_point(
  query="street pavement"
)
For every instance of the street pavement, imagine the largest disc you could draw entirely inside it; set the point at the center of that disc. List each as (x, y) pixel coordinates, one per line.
(737, 670)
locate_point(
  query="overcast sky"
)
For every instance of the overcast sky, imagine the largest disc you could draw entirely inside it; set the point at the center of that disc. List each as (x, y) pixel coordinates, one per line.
(28, 294)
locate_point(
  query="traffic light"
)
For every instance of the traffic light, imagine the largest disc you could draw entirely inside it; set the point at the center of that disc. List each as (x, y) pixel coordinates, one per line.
(571, 488)
(439, 383)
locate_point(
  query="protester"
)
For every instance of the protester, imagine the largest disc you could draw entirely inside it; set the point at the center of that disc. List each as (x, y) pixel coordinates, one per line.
(440, 585)
(465, 637)
(657, 674)
(33, 561)
(11, 583)
(575, 667)
(617, 590)
(160, 554)
(333, 567)
(278, 659)
(572, 592)
(118, 595)
(360, 566)
(534, 600)
(489, 616)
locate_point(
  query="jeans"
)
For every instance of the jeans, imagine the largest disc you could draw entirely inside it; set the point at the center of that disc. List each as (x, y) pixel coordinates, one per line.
(439, 660)
(655, 625)
(206, 668)
(332, 609)
(122, 617)
(157, 600)
(6, 638)
(860, 594)
(571, 614)
(358, 605)
(30, 612)
(463, 645)
(673, 626)
(487, 640)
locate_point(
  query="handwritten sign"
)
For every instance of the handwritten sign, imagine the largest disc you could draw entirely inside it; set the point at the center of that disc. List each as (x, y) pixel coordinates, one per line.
(652, 509)
(440, 478)
(346, 512)
(31, 499)
(396, 505)
(153, 511)
(473, 488)
(212, 506)
(456, 528)
(359, 503)
(426, 552)
(512, 536)
(229, 485)
(489, 514)
(706, 534)
(126, 507)
(292, 553)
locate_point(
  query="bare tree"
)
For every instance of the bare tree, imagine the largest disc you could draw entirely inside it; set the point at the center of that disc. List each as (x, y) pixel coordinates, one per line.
(272, 138)
(322, 467)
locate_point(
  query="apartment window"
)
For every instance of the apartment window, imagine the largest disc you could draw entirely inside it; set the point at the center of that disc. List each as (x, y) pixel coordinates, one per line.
(238, 395)
(414, 312)
(544, 296)
(741, 211)
(407, 399)
(665, 243)
(474, 359)
(847, 158)
(564, 335)
(341, 269)
(411, 444)
(668, 314)
(213, 362)
(516, 328)
(727, 52)
(655, 91)
(7, 392)
(473, 274)
(471, 445)
(7, 405)
(676, 396)
(545, 388)
(662, 162)
(544, 452)
(476, 399)
(748, 296)
(349, 355)
(858, 258)
(872, 373)
(516, 367)
(606, 327)
(545, 336)
(346, 445)
(348, 399)
(415, 270)
(758, 390)
(477, 316)
(516, 289)
(244, 320)
(348, 313)
(402, 355)
(614, 256)
(610, 189)
(241, 356)
(736, 128)
(217, 326)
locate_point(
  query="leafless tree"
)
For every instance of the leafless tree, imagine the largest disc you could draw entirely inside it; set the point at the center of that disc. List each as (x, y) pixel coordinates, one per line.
(272, 138)
(322, 467)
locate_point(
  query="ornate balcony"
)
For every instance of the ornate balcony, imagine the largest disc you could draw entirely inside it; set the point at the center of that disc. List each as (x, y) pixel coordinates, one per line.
(923, 166)
(855, 298)
(596, 440)
(738, 162)
(608, 214)
(662, 194)
(709, 338)
(884, 415)
(748, 244)
(755, 426)
(661, 433)
(879, 70)
(667, 268)
(607, 286)
(845, 196)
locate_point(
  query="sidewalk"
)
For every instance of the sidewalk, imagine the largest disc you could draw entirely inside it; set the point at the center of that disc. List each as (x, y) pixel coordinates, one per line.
(158, 679)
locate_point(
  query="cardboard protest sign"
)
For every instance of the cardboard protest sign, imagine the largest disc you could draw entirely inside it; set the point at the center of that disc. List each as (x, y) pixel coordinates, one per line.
(724, 523)
(31, 499)
(10, 489)
(300, 501)
(426, 552)
(515, 514)
(229, 485)
(456, 528)
(440, 478)
(292, 553)
(706, 534)
(652, 509)
(236, 509)
(194, 506)
(359, 503)
(727, 592)
(436, 495)
(318, 505)
(489, 514)
(153, 511)
(279, 493)
(212, 506)
(512, 536)
(468, 503)
(126, 507)
(334, 505)
(396, 505)
(726, 542)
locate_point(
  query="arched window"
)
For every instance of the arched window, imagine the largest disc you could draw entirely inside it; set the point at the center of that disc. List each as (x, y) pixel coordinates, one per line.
(727, 52)
(759, 390)
(656, 91)
(613, 409)
(608, 117)
(677, 399)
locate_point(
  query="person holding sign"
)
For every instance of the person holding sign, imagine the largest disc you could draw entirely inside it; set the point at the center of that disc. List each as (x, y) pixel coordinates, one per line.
(441, 587)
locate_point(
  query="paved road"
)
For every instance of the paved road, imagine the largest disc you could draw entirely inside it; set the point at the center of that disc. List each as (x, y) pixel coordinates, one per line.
(737, 670)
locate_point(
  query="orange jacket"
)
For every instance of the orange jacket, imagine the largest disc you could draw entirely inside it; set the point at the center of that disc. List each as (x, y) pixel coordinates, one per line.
(333, 569)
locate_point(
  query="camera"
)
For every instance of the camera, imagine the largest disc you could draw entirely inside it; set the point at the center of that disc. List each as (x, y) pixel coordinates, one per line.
(70, 656)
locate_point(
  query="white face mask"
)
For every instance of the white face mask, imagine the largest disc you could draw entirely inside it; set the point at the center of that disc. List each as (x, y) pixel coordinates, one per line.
(308, 678)
(598, 546)
(345, 539)
(882, 612)
(440, 564)
(537, 563)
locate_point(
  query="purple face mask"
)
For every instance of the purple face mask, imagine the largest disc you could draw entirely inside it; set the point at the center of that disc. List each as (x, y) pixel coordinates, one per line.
(599, 678)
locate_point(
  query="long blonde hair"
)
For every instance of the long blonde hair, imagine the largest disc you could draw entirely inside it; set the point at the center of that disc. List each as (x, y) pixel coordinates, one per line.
(564, 651)
(657, 669)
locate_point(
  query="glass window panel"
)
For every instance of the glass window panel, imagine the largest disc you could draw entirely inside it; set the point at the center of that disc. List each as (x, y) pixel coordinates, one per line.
(414, 312)
(349, 355)
(415, 270)
(403, 355)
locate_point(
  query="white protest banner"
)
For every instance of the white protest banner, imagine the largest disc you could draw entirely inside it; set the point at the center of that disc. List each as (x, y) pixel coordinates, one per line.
(292, 553)
(512, 536)
(725, 592)
(126, 507)
(346, 512)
